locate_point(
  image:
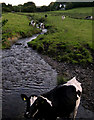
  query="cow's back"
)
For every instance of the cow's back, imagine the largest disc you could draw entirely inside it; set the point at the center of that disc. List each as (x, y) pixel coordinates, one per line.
(63, 99)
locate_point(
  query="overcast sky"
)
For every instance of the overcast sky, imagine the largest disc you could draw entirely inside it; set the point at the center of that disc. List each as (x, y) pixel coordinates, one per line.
(37, 2)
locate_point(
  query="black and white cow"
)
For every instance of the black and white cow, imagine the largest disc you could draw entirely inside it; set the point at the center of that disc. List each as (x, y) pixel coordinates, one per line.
(89, 17)
(59, 102)
(32, 23)
(41, 25)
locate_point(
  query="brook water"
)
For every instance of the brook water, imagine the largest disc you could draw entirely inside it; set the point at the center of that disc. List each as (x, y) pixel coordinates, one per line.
(24, 71)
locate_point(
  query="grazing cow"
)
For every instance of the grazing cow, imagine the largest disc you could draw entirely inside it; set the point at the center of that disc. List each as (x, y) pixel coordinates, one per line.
(89, 17)
(63, 17)
(42, 25)
(32, 23)
(59, 102)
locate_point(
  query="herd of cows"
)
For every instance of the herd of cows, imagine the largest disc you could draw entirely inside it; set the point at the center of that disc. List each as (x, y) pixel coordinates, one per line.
(61, 102)
(37, 25)
(41, 25)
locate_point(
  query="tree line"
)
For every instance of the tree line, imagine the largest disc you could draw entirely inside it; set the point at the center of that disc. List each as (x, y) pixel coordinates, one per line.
(31, 7)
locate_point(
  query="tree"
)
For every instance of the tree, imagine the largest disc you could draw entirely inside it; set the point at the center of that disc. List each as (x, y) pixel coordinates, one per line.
(4, 5)
(29, 4)
(6, 8)
(44, 8)
(29, 7)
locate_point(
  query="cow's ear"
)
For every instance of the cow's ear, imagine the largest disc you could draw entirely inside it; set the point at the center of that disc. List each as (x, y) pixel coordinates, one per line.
(24, 97)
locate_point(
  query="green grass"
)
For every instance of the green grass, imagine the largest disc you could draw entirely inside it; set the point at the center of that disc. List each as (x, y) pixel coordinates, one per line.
(75, 13)
(69, 40)
(87, 10)
(16, 27)
(61, 79)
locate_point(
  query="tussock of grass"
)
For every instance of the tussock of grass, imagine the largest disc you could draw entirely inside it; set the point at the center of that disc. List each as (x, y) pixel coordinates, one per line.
(61, 80)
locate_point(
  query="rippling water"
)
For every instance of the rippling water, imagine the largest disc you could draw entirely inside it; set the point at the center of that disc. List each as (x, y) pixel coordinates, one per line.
(24, 71)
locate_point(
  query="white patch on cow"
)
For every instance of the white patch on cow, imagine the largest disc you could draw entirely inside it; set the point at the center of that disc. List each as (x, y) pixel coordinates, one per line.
(76, 108)
(42, 25)
(35, 113)
(32, 100)
(27, 113)
(75, 83)
(47, 100)
(78, 87)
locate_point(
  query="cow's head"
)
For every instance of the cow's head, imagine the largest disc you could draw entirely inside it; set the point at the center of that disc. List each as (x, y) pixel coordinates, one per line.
(29, 101)
(36, 106)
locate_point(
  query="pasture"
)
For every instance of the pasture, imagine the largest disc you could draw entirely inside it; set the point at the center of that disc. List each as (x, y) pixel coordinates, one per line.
(16, 27)
(69, 40)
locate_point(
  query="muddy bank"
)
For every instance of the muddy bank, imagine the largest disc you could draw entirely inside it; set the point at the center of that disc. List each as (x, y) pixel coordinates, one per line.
(84, 74)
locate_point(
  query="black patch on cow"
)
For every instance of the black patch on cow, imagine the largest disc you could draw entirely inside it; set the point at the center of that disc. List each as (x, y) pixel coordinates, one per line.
(78, 93)
(63, 99)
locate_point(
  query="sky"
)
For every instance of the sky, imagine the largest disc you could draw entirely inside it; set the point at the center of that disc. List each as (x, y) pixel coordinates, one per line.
(37, 2)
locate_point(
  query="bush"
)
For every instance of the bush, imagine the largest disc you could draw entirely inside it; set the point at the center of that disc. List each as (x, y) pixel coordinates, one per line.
(42, 20)
(61, 80)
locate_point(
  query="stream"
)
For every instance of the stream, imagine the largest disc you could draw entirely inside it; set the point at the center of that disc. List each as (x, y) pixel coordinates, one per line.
(24, 71)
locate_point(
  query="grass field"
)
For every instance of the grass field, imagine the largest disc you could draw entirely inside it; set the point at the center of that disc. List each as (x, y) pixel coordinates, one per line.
(16, 27)
(82, 10)
(76, 12)
(69, 40)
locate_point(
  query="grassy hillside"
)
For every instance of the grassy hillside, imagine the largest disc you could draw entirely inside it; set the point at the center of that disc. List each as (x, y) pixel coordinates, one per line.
(85, 10)
(76, 12)
(16, 27)
(69, 40)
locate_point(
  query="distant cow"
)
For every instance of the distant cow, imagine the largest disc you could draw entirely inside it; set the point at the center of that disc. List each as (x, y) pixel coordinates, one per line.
(42, 25)
(89, 17)
(63, 17)
(45, 16)
(32, 23)
(59, 102)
